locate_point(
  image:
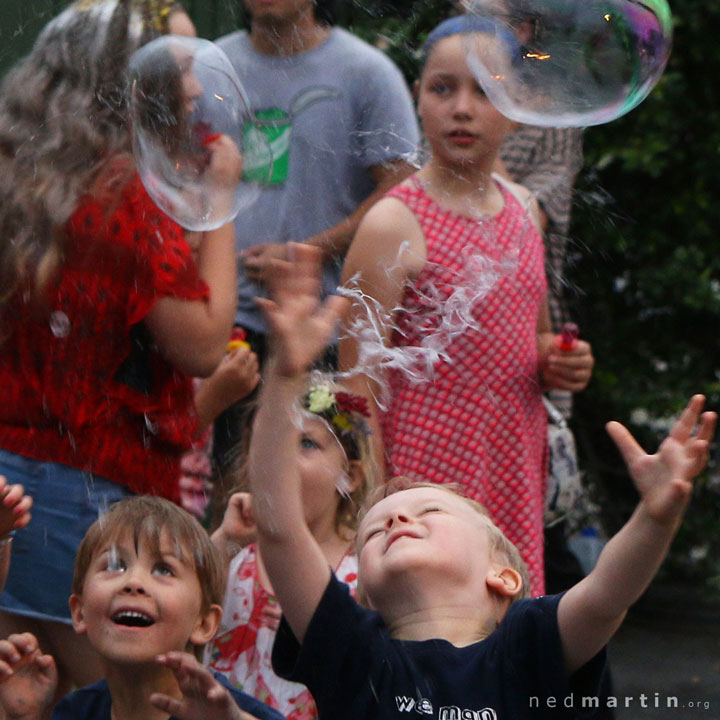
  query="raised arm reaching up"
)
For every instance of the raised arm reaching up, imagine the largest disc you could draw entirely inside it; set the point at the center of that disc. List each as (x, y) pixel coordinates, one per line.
(592, 610)
(300, 327)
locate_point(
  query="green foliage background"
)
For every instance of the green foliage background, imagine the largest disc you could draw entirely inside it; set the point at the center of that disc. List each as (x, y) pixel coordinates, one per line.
(644, 266)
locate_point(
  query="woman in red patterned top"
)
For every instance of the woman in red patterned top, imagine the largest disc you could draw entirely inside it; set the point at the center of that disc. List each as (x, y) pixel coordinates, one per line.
(104, 314)
(453, 258)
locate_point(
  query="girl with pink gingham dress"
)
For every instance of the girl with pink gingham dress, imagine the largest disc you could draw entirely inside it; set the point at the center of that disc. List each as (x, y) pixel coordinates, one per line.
(454, 257)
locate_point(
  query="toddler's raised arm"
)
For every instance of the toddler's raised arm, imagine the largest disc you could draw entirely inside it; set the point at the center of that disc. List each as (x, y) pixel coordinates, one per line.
(300, 327)
(591, 611)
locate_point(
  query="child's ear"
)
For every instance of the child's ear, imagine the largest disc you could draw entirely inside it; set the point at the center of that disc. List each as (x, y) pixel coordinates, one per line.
(416, 90)
(504, 581)
(356, 474)
(77, 613)
(207, 625)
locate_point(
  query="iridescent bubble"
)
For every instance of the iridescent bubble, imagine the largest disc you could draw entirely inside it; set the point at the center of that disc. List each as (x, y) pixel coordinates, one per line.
(568, 63)
(194, 137)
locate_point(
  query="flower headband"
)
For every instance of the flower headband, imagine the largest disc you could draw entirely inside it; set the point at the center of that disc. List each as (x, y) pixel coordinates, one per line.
(342, 411)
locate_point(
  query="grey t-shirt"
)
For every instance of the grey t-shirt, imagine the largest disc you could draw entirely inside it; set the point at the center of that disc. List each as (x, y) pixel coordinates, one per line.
(329, 114)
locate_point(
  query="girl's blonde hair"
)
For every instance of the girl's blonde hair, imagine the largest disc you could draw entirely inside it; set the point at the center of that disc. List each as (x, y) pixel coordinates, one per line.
(62, 116)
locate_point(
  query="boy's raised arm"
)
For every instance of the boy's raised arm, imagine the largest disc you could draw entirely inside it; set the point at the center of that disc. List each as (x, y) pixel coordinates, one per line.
(590, 612)
(300, 328)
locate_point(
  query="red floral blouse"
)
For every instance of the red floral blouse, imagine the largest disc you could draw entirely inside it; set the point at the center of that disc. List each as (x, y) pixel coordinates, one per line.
(81, 381)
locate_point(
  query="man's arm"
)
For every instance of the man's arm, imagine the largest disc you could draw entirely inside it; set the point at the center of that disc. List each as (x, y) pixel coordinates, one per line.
(591, 611)
(335, 241)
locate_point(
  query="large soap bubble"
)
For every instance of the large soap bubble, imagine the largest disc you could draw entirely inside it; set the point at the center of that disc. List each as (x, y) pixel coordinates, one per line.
(194, 138)
(568, 63)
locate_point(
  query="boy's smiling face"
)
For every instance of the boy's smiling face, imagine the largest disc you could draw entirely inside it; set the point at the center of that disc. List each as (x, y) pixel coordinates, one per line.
(139, 603)
(426, 532)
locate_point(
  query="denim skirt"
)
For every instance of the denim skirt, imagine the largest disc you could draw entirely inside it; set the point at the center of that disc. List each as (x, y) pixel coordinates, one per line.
(66, 502)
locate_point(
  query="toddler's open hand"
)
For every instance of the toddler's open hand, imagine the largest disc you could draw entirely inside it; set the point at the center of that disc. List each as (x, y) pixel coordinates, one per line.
(204, 698)
(665, 479)
(14, 507)
(301, 326)
(28, 678)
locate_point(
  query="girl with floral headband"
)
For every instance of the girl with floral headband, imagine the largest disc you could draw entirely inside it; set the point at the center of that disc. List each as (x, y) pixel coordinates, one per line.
(334, 462)
(104, 313)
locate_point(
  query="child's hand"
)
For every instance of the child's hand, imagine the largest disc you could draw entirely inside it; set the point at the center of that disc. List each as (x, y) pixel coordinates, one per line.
(225, 165)
(300, 324)
(204, 698)
(14, 507)
(569, 370)
(28, 678)
(238, 526)
(236, 376)
(664, 480)
(257, 260)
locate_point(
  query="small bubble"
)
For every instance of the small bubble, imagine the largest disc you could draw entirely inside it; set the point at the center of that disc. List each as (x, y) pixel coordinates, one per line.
(59, 324)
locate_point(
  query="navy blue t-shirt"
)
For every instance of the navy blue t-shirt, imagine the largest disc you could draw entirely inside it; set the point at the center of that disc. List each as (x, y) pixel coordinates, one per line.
(93, 703)
(356, 671)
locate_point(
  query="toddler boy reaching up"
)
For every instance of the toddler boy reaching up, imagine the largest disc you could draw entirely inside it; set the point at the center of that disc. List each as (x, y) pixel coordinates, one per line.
(447, 634)
(147, 589)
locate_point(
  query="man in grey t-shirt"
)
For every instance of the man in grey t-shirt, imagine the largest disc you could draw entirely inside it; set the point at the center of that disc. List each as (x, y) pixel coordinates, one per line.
(340, 122)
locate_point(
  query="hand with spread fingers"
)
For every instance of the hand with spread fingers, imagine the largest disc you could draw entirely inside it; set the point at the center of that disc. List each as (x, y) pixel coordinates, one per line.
(204, 698)
(665, 479)
(28, 678)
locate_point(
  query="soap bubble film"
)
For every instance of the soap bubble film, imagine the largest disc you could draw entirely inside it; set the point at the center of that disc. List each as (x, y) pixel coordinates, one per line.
(568, 63)
(193, 137)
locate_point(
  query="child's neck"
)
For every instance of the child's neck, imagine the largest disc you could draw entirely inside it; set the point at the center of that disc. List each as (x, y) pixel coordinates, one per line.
(459, 625)
(468, 190)
(423, 610)
(131, 687)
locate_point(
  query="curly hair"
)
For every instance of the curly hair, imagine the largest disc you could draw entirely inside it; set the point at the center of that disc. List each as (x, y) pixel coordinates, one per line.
(62, 116)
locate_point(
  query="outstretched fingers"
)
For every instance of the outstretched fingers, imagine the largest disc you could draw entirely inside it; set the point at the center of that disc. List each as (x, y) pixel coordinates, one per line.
(628, 446)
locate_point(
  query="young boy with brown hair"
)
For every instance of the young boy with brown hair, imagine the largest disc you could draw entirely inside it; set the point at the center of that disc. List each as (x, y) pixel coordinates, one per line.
(147, 589)
(445, 635)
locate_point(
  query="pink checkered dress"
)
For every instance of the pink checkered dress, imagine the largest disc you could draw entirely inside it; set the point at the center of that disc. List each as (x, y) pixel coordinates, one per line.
(479, 420)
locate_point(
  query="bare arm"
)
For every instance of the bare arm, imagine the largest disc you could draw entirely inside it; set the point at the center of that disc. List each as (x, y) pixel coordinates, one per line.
(334, 241)
(590, 612)
(192, 334)
(388, 250)
(235, 378)
(300, 328)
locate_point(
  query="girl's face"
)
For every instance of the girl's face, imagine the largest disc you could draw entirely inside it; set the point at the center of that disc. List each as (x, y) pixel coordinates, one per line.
(460, 124)
(323, 468)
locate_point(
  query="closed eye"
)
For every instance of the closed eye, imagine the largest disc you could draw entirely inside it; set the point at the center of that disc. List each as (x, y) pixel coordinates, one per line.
(372, 533)
(430, 509)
